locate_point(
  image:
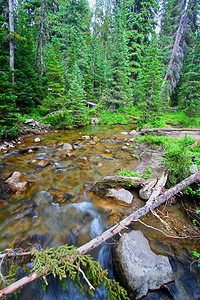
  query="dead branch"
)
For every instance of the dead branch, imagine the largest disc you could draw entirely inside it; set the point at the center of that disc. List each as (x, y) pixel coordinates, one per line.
(167, 129)
(113, 230)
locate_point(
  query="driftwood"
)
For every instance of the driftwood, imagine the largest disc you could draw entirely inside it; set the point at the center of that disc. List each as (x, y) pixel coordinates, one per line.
(168, 129)
(147, 190)
(158, 188)
(113, 230)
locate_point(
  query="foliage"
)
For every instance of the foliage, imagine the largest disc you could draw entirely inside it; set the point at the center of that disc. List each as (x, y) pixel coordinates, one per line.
(106, 117)
(67, 261)
(177, 159)
(197, 255)
(76, 97)
(60, 119)
(128, 173)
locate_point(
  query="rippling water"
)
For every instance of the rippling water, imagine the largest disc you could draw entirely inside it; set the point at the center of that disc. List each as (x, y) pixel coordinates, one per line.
(58, 207)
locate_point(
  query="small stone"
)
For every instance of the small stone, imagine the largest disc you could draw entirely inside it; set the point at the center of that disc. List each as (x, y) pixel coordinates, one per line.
(66, 146)
(85, 137)
(124, 132)
(30, 151)
(96, 139)
(93, 143)
(133, 132)
(124, 148)
(37, 139)
(107, 151)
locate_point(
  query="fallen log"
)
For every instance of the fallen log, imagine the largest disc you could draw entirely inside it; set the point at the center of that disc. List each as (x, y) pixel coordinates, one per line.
(167, 129)
(158, 188)
(113, 230)
(125, 181)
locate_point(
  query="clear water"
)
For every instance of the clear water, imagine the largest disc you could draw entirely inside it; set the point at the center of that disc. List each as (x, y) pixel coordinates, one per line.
(59, 208)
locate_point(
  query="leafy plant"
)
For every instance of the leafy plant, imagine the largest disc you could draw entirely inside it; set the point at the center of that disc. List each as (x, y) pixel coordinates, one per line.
(177, 159)
(109, 118)
(128, 173)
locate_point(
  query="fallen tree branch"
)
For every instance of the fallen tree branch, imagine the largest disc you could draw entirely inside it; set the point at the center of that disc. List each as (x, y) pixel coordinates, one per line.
(168, 129)
(111, 231)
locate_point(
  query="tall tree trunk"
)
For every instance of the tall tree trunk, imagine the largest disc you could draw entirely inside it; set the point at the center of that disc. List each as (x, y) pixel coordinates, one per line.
(11, 29)
(182, 25)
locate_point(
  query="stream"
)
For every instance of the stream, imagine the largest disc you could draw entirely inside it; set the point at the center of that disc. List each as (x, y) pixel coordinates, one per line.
(59, 208)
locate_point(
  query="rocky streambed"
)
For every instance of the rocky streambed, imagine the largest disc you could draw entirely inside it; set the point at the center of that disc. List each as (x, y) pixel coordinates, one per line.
(53, 192)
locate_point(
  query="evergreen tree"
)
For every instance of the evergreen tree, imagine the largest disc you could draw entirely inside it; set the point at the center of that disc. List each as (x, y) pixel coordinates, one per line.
(189, 91)
(55, 98)
(148, 86)
(7, 99)
(119, 87)
(140, 24)
(76, 97)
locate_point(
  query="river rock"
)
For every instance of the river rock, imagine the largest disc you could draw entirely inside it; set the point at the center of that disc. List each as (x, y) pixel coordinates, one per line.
(41, 163)
(17, 182)
(105, 156)
(66, 146)
(85, 137)
(31, 122)
(133, 133)
(121, 195)
(37, 139)
(140, 268)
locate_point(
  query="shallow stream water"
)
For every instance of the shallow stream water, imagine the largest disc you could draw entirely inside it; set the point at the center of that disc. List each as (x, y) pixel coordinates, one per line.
(59, 208)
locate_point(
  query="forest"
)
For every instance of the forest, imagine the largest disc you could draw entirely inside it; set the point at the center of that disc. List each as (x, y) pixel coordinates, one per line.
(130, 57)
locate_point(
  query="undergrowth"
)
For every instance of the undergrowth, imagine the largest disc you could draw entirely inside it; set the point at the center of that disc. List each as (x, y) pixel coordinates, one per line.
(128, 173)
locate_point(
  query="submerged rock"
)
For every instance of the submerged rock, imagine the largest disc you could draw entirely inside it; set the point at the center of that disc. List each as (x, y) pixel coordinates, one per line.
(139, 267)
(41, 163)
(17, 182)
(105, 156)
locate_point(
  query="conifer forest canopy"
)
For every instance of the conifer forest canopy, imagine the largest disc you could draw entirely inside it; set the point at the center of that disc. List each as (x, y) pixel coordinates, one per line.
(58, 55)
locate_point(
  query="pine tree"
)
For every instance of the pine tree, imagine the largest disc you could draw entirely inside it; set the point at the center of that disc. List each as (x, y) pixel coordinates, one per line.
(141, 22)
(76, 97)
(189, 91)
(148, 86)
(120, 93)
(7, 98)
(55, 98)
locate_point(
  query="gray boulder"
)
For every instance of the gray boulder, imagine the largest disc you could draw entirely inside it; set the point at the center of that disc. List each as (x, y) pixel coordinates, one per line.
(140, 268)
(121, 195)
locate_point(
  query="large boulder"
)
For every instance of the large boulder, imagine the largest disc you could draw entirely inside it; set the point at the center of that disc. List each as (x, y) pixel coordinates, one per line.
(140, 268)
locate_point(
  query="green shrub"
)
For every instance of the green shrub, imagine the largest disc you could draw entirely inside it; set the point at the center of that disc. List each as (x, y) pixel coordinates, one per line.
(109, 118)
(60, 119)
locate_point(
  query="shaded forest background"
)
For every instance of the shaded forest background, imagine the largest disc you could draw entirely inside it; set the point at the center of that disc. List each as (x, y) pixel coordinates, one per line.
(135, 57)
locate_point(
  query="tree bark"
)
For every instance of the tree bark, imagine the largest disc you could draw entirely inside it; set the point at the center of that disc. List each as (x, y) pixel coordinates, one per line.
(182, 25)
(113, 230)
(11, 29)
